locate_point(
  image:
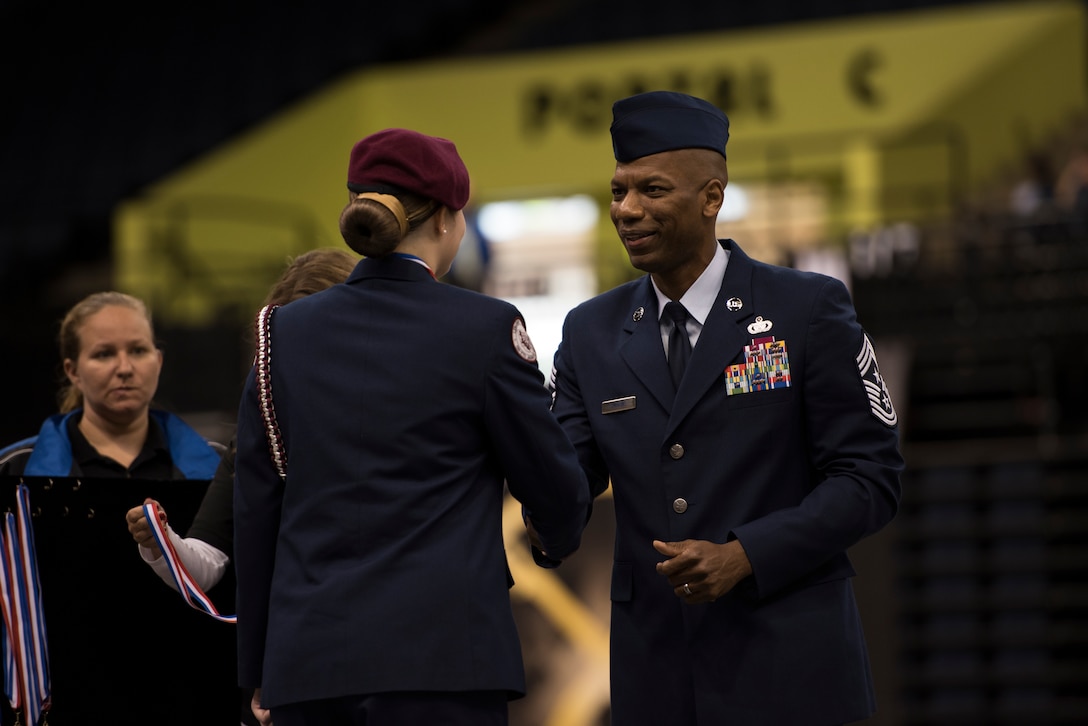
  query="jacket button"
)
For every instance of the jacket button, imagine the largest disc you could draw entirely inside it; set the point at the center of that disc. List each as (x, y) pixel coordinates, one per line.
(680, 505)
(676, 451)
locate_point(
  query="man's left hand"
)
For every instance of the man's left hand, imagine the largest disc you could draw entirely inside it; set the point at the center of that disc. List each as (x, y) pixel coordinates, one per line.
(701, 571)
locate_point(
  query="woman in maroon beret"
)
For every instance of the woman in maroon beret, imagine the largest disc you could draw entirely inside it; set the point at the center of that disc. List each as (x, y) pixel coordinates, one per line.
(378, 431)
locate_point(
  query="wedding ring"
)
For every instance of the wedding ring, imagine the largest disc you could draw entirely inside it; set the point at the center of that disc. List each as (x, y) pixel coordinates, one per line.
(687, 590)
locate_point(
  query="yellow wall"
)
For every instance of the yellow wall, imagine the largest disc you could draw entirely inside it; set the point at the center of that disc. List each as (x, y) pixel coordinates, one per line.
(818, 100)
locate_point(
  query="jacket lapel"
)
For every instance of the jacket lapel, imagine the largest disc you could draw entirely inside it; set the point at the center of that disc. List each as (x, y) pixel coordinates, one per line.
(643, 352)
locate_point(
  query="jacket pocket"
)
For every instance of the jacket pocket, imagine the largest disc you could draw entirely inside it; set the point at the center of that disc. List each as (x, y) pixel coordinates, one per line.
(759, 398)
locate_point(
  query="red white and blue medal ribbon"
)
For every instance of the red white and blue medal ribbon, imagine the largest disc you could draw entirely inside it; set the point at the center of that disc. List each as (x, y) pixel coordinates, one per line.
(186, 585)
(26, 657)
(12, 682)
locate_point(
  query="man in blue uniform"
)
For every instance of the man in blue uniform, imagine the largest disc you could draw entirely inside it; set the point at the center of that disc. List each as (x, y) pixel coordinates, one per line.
(739, 487)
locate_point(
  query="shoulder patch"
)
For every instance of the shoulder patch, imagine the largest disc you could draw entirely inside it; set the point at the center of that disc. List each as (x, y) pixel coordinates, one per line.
(880, 401)
(522, 345)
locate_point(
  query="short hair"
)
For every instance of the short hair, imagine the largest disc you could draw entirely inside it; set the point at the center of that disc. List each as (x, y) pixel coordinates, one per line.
(304, 275)
(311, 272)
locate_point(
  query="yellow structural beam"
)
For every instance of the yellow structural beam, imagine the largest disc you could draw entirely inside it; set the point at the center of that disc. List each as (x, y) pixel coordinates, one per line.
(941, 98)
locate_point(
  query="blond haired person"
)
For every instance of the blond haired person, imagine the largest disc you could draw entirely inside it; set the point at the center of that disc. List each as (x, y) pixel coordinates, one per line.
(106, 426)
(95, 603)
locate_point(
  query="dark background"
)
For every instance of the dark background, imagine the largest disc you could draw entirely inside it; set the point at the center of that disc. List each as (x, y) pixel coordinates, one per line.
(101, 99)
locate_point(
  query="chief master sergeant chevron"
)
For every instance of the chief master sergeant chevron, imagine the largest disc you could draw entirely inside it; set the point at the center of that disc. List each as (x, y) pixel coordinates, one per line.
(739, 489)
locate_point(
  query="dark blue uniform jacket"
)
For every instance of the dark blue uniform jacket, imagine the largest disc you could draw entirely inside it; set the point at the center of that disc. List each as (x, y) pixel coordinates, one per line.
(797, 473)
(379, 565)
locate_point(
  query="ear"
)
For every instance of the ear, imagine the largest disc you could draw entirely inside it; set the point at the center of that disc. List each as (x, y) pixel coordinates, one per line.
(70, 371)
(443, 221)
(713, 197)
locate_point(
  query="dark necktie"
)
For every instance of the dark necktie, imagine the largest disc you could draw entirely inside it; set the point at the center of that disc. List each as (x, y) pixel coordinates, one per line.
(679, 342)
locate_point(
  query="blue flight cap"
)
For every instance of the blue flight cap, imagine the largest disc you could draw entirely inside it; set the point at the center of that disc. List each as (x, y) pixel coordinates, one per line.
(649, 123)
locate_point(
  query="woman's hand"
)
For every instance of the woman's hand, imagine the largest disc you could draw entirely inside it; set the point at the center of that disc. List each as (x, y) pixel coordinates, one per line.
(264, 716)
(140, 528)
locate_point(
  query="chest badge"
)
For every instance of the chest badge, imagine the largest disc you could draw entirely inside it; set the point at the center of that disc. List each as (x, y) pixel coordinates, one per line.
(759, 326)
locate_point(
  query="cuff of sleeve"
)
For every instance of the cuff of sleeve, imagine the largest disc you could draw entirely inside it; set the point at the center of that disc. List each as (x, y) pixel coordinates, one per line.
(542, 560)
(147, 554)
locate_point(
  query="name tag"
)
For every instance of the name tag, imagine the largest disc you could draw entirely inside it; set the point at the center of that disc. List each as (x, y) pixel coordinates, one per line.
(618, 404)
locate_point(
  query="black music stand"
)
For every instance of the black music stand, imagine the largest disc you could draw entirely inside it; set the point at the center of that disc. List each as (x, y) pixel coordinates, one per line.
(124, 647)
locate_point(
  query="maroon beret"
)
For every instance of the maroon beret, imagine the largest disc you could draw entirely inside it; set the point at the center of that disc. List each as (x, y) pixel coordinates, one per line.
(401, 160)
